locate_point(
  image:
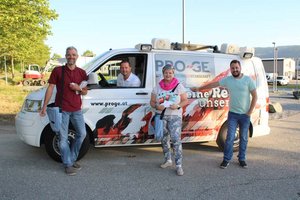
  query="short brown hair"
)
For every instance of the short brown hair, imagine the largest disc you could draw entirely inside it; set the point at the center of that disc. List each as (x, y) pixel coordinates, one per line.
(235, 61)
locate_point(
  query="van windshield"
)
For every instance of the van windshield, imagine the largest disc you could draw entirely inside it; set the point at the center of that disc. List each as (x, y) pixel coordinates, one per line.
(93, 61)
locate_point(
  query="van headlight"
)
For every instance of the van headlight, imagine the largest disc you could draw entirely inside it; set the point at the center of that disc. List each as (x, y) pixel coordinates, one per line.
(32, 105)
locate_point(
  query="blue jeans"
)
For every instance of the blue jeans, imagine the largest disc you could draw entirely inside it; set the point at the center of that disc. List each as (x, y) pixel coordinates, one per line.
(69, 153)
(234, 120)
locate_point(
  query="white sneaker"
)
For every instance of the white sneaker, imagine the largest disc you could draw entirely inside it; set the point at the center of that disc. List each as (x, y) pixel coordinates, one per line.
(166, 164)
(179, 171)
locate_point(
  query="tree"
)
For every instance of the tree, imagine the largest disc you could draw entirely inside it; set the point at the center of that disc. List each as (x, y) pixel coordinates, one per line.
(56, 56)
(88, 53)
(24, 28)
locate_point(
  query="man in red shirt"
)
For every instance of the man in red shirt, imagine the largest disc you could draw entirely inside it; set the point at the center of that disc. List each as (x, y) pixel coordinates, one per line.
(71, 107)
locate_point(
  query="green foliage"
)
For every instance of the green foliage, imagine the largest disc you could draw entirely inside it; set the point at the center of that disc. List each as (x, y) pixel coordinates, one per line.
(12, 98)
(56, 56)
(88, 53)
(24, 28)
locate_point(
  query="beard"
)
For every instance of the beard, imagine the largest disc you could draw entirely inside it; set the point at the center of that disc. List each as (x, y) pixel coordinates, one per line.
(236, 74)
(71, 61)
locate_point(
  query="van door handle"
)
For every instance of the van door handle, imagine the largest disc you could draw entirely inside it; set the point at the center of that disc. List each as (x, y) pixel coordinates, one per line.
(141, 93)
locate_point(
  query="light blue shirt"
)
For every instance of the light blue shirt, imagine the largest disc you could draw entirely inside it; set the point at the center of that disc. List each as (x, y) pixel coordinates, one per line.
(239, 91)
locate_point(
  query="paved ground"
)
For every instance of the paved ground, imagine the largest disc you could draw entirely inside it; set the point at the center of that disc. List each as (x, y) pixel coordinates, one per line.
(290, 105)
(133, 173)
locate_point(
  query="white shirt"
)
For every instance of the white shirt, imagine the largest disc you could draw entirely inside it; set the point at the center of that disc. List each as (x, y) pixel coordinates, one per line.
(131, 81)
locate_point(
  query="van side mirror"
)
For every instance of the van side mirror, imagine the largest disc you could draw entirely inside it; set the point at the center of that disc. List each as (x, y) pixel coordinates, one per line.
(93, 79)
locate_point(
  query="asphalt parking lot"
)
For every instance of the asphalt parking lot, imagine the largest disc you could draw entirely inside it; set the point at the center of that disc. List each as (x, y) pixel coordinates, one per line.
(133, 172)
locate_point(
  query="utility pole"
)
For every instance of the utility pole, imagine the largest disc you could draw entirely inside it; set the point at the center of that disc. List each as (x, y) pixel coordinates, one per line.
(297, 71)
(274, 68)
(183, 20)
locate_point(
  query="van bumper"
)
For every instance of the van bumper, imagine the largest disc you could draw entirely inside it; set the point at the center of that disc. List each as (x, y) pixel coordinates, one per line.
(29, 127)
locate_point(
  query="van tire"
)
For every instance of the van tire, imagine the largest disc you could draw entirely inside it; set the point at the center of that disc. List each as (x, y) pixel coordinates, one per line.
(222, 138)
(51, 141)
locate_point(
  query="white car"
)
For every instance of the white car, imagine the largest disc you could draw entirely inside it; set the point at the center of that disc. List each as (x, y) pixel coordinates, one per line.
(282, 80)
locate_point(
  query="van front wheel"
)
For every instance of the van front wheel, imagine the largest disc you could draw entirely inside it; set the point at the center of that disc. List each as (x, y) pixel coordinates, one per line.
(52, 144)
(222, 138)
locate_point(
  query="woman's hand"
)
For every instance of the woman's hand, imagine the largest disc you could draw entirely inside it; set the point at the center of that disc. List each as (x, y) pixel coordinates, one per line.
(160, 107)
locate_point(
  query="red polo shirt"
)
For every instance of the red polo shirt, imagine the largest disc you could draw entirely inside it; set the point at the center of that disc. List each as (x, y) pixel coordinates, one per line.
(71, 101)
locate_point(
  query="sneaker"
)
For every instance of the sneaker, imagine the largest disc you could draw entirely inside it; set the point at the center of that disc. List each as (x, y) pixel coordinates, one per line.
(168, 163)
(76, 166)
(179, 171)
(224, 164)
(243, 164)
(71, 171)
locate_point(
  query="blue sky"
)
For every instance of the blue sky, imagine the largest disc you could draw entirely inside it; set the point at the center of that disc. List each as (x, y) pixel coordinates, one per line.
(99, 25)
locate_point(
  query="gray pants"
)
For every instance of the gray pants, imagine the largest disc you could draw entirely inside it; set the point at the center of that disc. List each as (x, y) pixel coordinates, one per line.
(172, 132)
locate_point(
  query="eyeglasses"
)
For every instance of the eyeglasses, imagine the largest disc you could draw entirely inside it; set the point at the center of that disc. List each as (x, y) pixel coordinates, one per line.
(167, 67)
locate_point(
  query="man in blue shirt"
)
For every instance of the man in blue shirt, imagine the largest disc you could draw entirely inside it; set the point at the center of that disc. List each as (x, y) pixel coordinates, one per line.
(240, 88)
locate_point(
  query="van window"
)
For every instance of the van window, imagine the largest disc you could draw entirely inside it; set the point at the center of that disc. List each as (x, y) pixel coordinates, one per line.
(109, 70)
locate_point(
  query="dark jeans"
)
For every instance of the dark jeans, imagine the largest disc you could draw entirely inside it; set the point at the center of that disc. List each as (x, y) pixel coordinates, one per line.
(234, 120)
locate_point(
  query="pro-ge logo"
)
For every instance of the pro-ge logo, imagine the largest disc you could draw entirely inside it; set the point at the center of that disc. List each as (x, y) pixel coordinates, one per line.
(181, 66)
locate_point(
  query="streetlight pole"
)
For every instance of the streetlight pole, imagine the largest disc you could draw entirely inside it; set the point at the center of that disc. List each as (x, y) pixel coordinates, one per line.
(297, 71)
(276, 67)
(274, 80)
(183, 20)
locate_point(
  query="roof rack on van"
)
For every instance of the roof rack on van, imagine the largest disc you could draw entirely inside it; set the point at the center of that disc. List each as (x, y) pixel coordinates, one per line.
(193, 47)
(244, 52)
(165, 44)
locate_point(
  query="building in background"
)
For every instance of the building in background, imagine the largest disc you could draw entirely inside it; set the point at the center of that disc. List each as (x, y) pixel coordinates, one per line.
(297, 69)
(285, 67)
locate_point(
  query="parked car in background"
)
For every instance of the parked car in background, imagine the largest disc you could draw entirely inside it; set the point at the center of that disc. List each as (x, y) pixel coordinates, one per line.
(282, 80)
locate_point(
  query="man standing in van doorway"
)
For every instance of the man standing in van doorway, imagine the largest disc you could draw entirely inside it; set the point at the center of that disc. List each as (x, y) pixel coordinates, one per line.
(240, 88)
(71, 107)
(126, 78)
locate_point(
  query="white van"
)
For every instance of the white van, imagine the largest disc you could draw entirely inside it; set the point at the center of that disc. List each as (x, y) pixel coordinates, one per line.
(116, 116)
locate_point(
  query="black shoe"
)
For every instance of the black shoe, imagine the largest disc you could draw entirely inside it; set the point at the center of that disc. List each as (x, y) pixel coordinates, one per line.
(243, 164)
(224, 164)
(76, 166)
(70, 171)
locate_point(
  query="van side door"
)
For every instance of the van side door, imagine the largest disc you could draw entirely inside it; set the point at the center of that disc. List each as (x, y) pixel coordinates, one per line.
(118, 115)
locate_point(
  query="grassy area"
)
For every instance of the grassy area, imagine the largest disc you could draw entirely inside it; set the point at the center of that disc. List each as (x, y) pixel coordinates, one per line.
(12, 97)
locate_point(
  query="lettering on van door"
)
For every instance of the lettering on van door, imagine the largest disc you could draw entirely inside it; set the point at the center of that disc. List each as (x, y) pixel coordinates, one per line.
(214, 98)
(189, 69)
(109, 104)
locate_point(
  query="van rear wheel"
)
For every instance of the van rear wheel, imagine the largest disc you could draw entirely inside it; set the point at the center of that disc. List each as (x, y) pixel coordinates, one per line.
(222, 138)
(52, 144)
